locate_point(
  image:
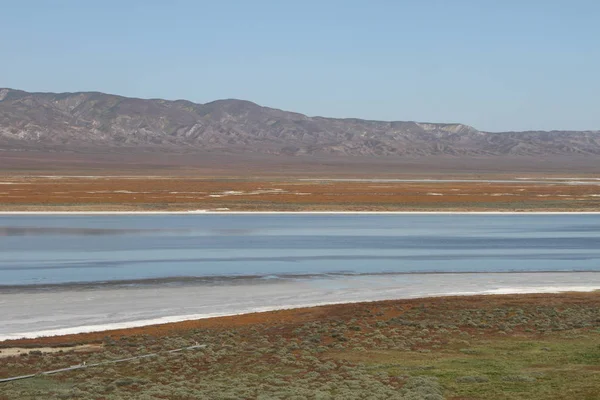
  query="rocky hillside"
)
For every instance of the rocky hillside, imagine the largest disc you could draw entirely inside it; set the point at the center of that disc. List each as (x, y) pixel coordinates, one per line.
(71, 120)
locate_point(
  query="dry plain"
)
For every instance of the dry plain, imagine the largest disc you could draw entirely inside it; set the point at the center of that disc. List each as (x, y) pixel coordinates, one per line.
(185, 193)
(149, 180)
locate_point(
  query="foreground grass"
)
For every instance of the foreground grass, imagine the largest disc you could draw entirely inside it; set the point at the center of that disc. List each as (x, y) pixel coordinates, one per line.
(483, 347)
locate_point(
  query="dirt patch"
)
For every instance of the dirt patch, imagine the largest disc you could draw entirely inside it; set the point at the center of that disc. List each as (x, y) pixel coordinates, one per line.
(15, 351)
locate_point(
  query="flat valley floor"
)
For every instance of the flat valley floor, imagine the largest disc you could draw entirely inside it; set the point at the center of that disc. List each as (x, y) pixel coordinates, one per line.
(407, 193)
(129, 180)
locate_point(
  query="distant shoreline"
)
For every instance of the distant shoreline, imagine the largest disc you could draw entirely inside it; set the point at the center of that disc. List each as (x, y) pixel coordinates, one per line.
(183, 195)
(208, 212)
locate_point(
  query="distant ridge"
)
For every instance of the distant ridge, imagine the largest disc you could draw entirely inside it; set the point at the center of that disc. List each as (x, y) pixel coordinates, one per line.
(104, 121)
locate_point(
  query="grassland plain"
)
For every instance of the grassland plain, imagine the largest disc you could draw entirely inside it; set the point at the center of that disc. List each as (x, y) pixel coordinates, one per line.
(471, 347)
(181, 193)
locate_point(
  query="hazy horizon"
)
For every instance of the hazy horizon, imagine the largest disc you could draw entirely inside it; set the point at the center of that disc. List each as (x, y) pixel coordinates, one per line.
(496, 67)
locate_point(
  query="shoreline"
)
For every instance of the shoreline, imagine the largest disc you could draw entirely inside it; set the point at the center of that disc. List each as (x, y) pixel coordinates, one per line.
(209, 212)
(233, 280)
(178, 319)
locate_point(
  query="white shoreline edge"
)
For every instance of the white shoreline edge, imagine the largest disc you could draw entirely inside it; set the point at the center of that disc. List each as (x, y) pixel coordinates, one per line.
(191, 317)
(209, 212)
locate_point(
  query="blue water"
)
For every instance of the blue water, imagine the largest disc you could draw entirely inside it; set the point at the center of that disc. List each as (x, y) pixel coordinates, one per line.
(59, 249)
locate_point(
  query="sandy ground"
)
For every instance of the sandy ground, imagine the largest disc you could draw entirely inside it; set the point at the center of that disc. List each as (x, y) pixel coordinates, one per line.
(13, 351)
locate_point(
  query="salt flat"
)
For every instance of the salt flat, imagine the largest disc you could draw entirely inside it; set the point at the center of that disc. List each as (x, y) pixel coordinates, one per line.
(49, 313)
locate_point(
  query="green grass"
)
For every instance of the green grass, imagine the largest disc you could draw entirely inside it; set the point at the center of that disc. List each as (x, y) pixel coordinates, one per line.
(511, 368)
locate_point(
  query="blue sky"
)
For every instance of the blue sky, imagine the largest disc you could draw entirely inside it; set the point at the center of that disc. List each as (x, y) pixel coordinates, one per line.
(494, 64)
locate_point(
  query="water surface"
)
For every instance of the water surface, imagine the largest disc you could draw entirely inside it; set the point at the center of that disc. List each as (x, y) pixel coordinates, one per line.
(75, 273)
(84, 248)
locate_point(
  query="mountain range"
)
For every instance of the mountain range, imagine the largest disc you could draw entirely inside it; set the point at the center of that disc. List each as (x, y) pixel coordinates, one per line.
(104, 121)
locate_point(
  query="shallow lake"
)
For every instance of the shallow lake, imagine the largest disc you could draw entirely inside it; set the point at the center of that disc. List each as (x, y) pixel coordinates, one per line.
(85, 248)
(63, 273)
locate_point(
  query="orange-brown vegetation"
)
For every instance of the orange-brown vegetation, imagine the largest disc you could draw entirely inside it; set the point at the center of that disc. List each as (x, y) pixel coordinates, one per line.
(156, 193)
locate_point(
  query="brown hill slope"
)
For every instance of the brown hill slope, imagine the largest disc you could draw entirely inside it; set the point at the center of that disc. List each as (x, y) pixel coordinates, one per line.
(98, 120)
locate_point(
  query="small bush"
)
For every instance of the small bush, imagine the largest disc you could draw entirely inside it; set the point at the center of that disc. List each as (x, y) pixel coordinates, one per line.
(472, 379)
(518, 378)
(124, 382)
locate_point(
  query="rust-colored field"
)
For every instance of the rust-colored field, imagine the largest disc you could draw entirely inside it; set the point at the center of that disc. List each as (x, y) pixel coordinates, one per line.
(163, 193)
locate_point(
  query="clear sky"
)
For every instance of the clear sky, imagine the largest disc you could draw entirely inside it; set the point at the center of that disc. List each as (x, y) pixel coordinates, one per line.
(494, 64)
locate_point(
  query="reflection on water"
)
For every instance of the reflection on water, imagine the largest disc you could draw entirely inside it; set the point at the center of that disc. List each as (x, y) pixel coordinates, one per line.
(52, 249)
(37, 230)
(76, 273)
